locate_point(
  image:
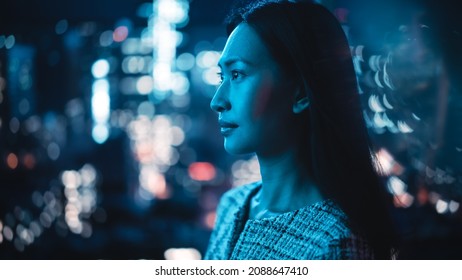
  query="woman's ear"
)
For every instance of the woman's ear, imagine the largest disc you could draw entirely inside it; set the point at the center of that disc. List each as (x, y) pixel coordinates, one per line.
(301, 102)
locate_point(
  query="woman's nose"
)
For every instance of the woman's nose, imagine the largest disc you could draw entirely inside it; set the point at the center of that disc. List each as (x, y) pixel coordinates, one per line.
(220, 102)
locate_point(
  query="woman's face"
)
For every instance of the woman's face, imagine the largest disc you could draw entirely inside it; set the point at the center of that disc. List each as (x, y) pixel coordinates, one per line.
(254, 100)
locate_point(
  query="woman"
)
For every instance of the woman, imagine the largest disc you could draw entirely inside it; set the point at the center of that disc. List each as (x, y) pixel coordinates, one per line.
(289, 95)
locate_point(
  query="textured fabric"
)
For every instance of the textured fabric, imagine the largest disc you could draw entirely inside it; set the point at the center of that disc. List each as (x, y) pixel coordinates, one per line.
(317, 231)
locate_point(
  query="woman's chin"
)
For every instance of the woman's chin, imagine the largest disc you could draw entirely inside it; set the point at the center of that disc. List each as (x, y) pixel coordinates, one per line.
(234, 149)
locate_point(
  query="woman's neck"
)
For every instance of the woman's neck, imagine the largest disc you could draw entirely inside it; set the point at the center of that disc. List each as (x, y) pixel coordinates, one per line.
(286, 184)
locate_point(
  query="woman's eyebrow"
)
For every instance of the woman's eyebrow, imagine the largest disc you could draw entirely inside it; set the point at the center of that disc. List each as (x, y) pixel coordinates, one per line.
(232, 60)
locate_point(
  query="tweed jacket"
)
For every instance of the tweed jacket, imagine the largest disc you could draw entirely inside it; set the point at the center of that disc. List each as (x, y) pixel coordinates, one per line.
(317, 231)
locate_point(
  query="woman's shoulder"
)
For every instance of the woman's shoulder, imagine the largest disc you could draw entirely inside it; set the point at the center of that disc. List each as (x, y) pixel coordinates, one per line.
(323, 221)
(332, 228)
(326, 215)
(229, 220)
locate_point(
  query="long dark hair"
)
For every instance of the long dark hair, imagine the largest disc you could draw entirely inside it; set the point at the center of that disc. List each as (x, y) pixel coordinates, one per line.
(310, 45)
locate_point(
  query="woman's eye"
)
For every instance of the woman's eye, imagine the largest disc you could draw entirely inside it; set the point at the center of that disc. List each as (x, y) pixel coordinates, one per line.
(220, 76)
(235, 75)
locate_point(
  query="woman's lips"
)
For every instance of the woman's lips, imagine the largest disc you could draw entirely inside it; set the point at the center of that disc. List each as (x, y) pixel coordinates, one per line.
(226, 128)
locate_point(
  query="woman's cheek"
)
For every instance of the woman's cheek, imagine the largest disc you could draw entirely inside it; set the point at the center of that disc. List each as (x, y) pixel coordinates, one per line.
(263, 95)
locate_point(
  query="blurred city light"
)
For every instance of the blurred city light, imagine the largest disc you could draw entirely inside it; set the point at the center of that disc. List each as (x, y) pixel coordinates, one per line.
(9, 42)
(61, 26)
(105, 39)
(202, 171)
(396, 186)
(100, 68)
(245, 171)
(185, 61)
(120, 34)
(101, 110)
(12, 161)
(182, 254)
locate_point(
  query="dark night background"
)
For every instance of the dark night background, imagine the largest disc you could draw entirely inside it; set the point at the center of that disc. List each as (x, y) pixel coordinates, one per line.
(149, 189)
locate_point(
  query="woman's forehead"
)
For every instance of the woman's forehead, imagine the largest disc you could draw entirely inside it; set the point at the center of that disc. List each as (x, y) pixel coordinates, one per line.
(244, 45)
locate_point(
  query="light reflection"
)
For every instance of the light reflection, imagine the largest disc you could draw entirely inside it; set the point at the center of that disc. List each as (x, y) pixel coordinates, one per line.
(24, 106)
(396, 185)
(100, 68)
(180, 84)
(105, 39)
(154, 147)
(8, 233)
(9, 42)
(174, 11)
(207, 59)
(154, 182)
(162, 77)
(144, 85)
(209, 220)
(88, 175)
(100, 133)
(404, 127)
(182, 254)
(441, 206)
(453, 206)
(14, 125)
(180, 101)
(71, 179)
(100, 102)
(81, 203)
(403, 200)
(374, 104)
(245, 171)
(35, 228)
(210, 76)
(33, 124)
(81, 198)
(387, 164)
(12, 161)
(177, 135)
(147, 109)
(130, 46)
(101, 110)
(201, 171)
(61, 26)
(120, 34)
(45, 219)
(37, 199)
(144, 10)
(185, 62)
(53, 151)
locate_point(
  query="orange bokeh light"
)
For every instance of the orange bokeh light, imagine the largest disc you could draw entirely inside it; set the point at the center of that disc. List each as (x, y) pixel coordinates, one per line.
(202, 171)
(29, 161)
(12, 161)
(209, 219)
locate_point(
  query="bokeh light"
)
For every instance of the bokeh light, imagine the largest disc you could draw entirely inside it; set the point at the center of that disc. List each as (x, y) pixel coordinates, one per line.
(61, 26)
(100, 68)
(120, 34)
(202, 171)
(182, 254)
(12, 161)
